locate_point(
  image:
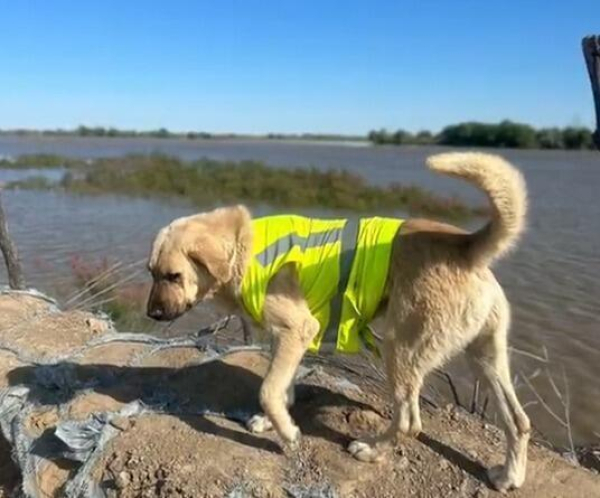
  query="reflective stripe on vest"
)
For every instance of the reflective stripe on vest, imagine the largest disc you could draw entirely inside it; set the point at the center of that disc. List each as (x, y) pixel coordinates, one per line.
(342, 267)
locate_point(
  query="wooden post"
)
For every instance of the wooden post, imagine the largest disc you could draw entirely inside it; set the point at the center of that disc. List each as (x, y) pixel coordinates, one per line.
(9, 251)
(591, 52)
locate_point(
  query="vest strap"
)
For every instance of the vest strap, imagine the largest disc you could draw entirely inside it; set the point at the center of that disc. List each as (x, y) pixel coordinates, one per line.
(349, 239)
(285, 244)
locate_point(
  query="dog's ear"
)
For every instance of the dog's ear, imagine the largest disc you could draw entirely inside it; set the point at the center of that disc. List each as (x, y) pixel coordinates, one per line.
(215, 247)
(157, 244)
(214, 253)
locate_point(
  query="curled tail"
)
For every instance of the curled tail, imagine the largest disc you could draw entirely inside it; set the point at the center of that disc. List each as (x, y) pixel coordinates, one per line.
(506, 191)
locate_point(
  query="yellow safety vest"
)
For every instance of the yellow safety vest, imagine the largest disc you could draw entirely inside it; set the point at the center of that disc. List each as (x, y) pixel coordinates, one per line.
(342, 268)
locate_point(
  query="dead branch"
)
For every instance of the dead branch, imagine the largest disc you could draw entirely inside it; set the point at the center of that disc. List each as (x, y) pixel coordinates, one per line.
(567, 409)
(543, 402)
(448, 378)
(563, 419)
(591, 53)
(16, 280)
(475, 397)
(542, 359)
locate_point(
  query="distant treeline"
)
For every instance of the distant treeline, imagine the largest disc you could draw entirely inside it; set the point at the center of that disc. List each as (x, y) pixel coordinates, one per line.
(100, 131)
(505, 134)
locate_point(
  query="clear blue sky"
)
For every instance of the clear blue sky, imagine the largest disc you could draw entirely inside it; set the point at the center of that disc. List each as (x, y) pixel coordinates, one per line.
(283, 66)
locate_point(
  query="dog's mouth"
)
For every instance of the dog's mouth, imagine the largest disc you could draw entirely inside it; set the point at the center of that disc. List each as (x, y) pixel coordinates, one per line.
(160, 316)
(163, 315)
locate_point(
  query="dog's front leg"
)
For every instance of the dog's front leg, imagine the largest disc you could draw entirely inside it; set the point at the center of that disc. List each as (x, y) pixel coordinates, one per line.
(288, 350)
(293, 327)
(260, 423)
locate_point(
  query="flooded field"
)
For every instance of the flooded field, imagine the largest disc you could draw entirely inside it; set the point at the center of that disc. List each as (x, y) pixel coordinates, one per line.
(552, 280)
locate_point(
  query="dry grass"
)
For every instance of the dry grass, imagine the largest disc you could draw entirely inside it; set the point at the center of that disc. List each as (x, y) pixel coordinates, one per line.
(110, 287)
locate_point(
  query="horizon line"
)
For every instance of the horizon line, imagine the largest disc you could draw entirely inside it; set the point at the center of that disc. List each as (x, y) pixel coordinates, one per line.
(84, 128)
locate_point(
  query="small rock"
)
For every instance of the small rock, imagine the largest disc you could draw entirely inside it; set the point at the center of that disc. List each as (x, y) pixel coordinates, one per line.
(481, 493)
(443, 464)
(123, 479)
(121, 423)
(464, 487)
(364, 420)
(161, 473)
(402, 463)
(399, 451)
(187, 469)
(473, 454)
(97, 325)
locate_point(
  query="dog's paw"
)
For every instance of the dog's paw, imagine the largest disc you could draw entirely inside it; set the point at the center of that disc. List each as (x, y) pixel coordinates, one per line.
(291, 440)
(411, 429)
(366, 451)
(504, 481)
(259, 423)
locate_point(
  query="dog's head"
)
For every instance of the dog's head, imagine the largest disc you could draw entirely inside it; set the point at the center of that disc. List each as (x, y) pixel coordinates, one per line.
(192, 258)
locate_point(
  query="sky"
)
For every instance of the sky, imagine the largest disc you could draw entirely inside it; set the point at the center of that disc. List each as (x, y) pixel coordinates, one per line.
(292, 67)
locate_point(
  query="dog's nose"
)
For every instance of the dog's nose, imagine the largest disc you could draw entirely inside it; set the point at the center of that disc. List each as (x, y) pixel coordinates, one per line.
(155, 313)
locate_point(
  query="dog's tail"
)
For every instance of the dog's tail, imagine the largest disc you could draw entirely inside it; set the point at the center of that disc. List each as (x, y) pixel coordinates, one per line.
(505, 188)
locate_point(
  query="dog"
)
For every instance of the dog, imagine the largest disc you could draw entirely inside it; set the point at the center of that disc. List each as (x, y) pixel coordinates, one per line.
(441, 298)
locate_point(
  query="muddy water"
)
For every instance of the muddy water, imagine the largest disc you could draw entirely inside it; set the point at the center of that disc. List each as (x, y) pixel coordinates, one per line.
(552, 280)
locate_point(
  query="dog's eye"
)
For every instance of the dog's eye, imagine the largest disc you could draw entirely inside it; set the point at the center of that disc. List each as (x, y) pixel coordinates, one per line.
(173, 277)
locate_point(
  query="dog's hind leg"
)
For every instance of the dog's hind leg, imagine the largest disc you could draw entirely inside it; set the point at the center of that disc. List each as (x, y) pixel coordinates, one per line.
(405, 379)
(488, 355)
(406, 418)
(413, 346)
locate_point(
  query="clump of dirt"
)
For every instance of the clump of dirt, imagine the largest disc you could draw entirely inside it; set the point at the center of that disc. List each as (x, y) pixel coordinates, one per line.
(24, 317)
(187, 457)
(189, 439)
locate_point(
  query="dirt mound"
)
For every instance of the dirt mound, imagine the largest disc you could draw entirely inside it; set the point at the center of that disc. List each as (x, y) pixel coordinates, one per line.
(122, 415)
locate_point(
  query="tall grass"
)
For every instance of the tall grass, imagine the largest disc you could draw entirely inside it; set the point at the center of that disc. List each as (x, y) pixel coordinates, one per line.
(40, 161)
(101, 285)
(207, 181)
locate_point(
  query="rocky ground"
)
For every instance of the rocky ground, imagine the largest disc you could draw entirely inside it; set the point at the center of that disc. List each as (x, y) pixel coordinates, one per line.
(190, 440)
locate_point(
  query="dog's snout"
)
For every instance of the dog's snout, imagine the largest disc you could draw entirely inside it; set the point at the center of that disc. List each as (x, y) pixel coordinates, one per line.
(155, 313)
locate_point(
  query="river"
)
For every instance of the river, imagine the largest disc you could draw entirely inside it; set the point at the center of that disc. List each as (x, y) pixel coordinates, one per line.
(552, 279)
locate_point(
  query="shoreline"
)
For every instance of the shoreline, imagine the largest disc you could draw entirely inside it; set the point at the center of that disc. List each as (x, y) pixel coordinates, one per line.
(252, 140)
